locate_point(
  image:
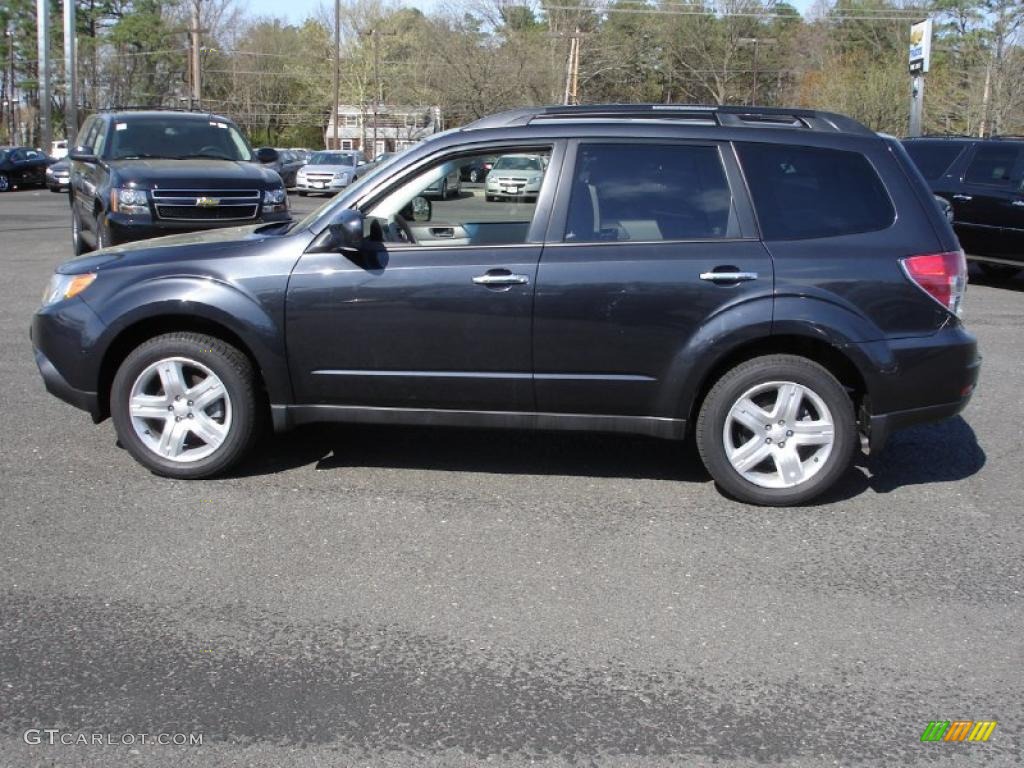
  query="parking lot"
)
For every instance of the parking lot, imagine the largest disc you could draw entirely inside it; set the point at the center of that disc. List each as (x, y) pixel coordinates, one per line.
(398, 596)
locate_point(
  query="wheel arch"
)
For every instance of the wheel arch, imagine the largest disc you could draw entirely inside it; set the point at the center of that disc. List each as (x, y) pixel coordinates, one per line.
(147, 327)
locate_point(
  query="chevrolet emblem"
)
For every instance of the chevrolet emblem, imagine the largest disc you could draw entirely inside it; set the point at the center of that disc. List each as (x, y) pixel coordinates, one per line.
(207, 202)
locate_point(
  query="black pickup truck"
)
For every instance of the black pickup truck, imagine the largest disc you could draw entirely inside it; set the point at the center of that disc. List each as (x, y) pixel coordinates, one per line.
(142, 174)
(983, 179)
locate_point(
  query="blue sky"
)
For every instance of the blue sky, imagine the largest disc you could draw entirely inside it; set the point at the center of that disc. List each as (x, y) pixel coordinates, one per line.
(297, 10)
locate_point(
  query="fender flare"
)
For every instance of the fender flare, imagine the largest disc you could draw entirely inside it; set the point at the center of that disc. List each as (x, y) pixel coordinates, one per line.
(210, 300)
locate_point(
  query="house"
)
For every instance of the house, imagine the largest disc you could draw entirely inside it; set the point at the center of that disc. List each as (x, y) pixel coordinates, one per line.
(388, 128)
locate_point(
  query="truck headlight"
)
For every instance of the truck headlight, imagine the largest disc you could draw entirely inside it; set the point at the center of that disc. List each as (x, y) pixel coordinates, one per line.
(63, 287)
(129, 200)
(275, 200)
(274, 196)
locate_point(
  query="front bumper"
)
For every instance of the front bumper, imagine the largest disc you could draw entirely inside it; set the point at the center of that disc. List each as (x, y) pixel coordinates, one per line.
(58, 386)
(126, 229)
(63, 336)
(302, 185)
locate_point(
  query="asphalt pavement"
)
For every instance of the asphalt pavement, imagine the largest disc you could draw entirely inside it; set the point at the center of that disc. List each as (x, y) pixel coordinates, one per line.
(399, 597)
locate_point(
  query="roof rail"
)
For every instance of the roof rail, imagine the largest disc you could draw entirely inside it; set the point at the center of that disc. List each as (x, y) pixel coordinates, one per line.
(728, 116)
(151, 108)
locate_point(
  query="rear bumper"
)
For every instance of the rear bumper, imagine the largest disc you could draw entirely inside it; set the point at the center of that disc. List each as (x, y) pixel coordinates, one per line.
(926, 380)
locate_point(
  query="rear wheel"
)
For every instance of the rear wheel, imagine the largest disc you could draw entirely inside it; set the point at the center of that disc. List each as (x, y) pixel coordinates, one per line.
(777, 431)
(5, 182)
(303, 194)
(474, 176)
(185, 405)
(999, 271)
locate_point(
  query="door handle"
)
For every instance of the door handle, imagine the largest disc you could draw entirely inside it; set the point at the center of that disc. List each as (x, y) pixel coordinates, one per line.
(728, 277)
(963, 198)
(500, 279)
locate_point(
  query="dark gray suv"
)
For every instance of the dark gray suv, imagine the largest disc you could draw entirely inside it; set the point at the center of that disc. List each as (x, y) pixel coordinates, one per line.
(779, 283)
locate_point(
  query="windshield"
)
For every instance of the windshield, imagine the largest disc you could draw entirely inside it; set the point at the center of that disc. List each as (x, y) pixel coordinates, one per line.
(332, 158)
(3, 155)
(520, 163)
(176, 139)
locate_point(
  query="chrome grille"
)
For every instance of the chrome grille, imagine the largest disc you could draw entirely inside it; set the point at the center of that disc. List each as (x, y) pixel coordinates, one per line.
(206, 204)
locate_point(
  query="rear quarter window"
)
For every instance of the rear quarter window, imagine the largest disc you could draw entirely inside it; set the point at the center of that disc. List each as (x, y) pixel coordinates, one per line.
(808, 192)
(933, 158)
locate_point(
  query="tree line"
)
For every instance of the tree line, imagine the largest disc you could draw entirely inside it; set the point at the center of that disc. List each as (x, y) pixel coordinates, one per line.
(474, 57)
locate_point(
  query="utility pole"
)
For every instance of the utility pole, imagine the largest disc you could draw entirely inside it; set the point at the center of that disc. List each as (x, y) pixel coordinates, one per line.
(11, 101)
(197, 84)
(376, 91)
(920, 56)
(572, 70)
(337, 71)
(756, 42)
(70, 75)
(43, 37)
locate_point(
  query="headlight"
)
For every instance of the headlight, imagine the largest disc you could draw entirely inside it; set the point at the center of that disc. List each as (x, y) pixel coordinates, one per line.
(274, 196)
(63, 287)
(129, 200)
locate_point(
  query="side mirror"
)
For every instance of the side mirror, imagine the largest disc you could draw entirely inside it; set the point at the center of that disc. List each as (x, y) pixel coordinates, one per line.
(347, 231)
(267, 155)
(82, 155)
(418, 209)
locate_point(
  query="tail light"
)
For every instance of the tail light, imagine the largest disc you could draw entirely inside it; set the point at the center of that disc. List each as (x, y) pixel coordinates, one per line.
(943, 276)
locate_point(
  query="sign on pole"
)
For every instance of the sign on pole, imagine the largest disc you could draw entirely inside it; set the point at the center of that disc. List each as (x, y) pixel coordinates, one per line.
(920, 46)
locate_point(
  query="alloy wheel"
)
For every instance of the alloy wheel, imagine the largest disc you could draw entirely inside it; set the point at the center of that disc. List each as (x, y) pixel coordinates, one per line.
(779, 434)
(180, 410)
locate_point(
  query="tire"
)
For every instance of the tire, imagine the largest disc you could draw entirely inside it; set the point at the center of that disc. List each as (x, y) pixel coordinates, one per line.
(490, 198)
(998, 271)
(5, 183)
(819, 403)
(103, 239)
(211, 443)
(303, 194)
(78, 245)
(474, 176)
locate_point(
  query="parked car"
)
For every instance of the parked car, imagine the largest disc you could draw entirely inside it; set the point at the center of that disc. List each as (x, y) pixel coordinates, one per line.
(983, 181)
(286, 163)
(139, 174)
(21, 167)
(58, 175)
(514, 177)
(778, 283)
(477, 170)
(328, 172)
(448, 184)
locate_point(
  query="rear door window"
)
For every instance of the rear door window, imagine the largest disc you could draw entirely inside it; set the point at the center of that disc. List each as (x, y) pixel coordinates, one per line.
(809, 192)
(993, 164)
(649, 192)
(933, 158)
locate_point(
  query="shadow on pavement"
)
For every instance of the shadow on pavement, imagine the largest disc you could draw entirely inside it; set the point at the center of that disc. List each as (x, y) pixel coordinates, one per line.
(934, 453)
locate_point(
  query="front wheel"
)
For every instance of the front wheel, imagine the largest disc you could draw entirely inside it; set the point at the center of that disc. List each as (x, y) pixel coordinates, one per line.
(77, 243)
(474, 176)
(5, 182)
(185, 405)
(777, 431)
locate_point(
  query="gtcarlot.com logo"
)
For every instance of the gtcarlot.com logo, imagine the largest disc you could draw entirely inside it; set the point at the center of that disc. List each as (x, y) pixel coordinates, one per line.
(56, 737)
(958, 730)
